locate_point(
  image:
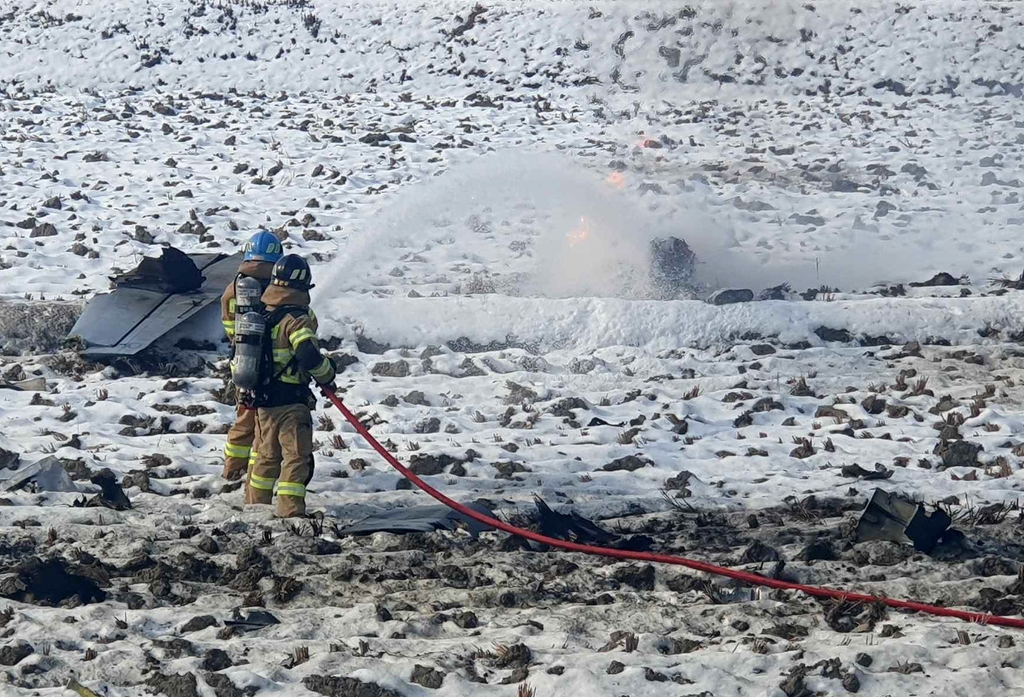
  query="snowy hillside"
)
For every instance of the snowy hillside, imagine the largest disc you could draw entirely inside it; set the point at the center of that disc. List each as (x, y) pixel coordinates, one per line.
(477, 187)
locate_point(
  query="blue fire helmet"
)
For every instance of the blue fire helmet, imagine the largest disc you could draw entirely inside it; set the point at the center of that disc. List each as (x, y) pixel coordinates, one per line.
(263, 246)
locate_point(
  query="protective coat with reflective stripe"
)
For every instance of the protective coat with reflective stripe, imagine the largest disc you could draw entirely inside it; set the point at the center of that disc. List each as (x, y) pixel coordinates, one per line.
(296, 350)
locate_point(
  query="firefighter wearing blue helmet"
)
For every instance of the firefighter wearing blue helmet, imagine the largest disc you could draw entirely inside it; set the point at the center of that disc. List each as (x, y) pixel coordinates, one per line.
(262, 251)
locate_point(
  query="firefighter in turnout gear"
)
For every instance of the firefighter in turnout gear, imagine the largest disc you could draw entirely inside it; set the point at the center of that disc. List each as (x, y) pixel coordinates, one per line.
(282, 456)
(261, 253)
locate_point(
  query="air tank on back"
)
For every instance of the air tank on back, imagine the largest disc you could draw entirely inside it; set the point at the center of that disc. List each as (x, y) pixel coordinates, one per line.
(249, 328)
(248, 291)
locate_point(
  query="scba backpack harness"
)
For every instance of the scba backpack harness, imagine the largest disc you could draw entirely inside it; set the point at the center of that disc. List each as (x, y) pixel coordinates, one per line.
(253, 362)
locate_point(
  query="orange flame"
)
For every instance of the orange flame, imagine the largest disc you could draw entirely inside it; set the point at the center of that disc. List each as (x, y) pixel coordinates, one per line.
(617, 179)
(579, 234)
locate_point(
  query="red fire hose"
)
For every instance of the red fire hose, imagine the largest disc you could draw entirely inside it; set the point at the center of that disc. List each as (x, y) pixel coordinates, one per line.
(744, 576)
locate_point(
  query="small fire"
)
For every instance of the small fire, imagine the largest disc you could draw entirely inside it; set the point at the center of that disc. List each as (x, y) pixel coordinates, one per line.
(579, 234)
(617, 179)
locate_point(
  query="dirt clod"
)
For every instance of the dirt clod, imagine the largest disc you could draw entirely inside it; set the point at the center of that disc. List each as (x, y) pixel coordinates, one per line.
(427, 677)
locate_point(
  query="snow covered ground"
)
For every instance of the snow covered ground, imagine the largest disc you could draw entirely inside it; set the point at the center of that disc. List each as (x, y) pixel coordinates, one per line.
(477, 186)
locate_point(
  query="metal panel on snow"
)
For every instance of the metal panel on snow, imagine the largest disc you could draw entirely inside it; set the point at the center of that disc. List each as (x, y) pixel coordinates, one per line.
(128, 320)
(108, 318)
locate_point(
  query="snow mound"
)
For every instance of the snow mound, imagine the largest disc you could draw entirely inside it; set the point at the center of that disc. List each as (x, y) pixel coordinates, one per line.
(585, 324)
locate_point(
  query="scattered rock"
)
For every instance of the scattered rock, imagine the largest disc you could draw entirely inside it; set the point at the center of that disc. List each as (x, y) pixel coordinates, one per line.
(222, 685)
(175, 685)
(959, 453)
(13, 654)
(629, 463)
(565, 408)
(793, 685)
(215, 660)
(819, 550)
(516, 676)
(762, 349)
(466, 620)
(811, 218)
(423, 464)
(398, 369)
(469, 369)
(759, 552)
(197, 624)
(675, 647)
(939, 279)
(44, 230)
(8, 459)
(427, 677)
(207, 544)
(873, 404)
(788, 631)
(614, 668)
(416, 398)
(671, 55)
(583, 366)
(855, 471)
(679, 482)
(826, 412)
(639, 578)
(731, 296)
(833, 335)
(49, 583)
(652, 675)
(431, 425)
(515, 656)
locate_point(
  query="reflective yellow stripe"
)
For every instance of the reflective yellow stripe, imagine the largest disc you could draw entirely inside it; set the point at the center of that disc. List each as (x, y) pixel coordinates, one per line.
(229, 327)
(300, 335)
(291, 489)
(231, 450)
(252, 456)
(291, 378)
(312, 315)
(322, 370)
(282, 356)
(262, 483)
(232, 305)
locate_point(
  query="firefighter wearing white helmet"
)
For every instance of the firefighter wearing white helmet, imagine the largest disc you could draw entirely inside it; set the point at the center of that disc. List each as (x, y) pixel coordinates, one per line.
(241, 296)
(282, 457)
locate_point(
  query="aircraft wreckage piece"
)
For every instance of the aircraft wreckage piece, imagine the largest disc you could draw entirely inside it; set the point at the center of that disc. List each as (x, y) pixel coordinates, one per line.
(153, 299)
(419, 519)
(43, 475)
(893, 518)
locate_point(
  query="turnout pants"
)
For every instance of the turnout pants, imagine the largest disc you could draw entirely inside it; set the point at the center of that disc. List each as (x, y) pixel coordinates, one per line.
(239, 445)
(282, 455)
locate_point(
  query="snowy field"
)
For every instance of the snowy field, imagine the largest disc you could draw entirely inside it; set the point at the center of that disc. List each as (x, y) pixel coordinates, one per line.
(477, 186)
